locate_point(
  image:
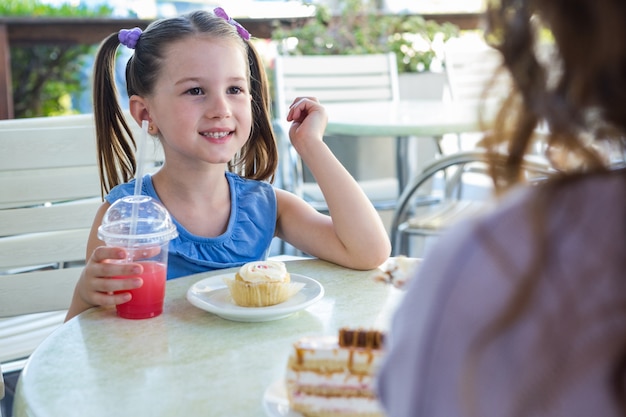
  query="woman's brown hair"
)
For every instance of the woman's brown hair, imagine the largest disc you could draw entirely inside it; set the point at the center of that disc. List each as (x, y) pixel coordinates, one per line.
(575, 84)
(578, 91)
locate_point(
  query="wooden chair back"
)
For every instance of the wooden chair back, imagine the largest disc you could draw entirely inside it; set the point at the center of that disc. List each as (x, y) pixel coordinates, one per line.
(331, 79)
(49, 194)
(472, 69)
(335, 78)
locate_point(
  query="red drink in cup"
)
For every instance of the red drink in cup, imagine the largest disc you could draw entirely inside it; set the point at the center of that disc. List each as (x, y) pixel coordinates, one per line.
(147, 300)
(143, 227)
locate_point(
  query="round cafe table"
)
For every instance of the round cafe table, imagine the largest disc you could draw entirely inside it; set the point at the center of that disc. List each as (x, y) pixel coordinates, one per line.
(405, 119)
(187, 361)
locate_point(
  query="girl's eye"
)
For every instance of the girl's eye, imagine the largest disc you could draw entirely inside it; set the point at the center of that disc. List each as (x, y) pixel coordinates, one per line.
(196, 91)
(235, 90)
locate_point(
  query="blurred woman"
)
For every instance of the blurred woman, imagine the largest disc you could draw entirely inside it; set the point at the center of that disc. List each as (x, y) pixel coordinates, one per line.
(523, 311)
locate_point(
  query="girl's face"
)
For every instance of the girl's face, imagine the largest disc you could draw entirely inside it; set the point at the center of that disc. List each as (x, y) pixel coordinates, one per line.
(202, 103)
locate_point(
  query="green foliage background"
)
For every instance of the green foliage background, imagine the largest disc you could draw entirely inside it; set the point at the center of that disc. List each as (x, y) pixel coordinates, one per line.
(361, 29)
(44, 76)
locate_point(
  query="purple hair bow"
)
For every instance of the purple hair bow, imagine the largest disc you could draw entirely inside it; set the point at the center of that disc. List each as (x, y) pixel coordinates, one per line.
(218, 11)
(129, 37)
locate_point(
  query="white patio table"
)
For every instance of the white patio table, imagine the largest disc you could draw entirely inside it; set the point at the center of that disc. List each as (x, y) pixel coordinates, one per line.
(188, 361)
(404, 119)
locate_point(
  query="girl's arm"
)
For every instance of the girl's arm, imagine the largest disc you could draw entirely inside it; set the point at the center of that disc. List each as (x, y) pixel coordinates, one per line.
(354, 235)
(95, 286)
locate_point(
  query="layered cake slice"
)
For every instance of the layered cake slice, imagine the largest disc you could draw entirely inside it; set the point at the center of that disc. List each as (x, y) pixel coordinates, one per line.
(334, 376)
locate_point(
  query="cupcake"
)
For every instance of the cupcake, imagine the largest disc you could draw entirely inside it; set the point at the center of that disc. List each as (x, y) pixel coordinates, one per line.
(261, 284)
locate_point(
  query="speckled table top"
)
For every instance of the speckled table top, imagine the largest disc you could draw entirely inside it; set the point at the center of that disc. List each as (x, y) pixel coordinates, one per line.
(187, 361)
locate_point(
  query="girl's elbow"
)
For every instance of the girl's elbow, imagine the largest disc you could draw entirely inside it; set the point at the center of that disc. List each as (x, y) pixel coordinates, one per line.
(374, 257)
(380, 258)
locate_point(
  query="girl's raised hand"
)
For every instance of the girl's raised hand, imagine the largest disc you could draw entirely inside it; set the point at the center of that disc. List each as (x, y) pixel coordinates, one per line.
(354, 234)
(309, 121)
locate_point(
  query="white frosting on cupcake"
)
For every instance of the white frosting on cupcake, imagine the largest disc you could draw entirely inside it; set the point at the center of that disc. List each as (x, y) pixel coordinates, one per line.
(263, 271)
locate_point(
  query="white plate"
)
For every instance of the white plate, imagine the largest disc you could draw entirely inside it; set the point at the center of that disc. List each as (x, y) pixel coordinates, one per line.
(275, 401)
(211, 294)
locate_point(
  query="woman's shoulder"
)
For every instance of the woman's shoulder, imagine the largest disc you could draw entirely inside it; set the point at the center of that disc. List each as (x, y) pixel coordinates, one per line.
(592, 198)
(502, 241)
(554, 199)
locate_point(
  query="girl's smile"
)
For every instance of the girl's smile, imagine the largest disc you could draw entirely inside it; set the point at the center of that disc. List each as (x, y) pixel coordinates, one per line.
(217, 136)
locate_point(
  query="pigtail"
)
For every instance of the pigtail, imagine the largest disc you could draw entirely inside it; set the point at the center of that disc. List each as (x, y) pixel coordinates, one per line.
(114, 140)
(260, 155)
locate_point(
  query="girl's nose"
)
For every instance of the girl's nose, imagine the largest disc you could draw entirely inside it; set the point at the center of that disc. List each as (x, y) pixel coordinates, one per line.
(218, 107)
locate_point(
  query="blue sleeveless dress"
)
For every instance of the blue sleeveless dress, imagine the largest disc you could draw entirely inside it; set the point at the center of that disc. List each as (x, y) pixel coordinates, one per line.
(247, 238)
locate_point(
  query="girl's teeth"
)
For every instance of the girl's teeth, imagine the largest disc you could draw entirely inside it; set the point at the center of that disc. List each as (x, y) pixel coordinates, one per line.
(216, 135)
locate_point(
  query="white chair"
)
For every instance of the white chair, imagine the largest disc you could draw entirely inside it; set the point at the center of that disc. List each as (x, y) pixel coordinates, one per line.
(56, 121)
(49, 193)
(332, 78)
(450, 189)
(473, 70)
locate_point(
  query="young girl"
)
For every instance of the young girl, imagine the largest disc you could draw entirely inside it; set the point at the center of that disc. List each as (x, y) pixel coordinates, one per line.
(201, 86)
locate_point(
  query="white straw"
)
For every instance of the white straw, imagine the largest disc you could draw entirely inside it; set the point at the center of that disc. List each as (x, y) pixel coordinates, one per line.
(141, 146)
(141, 150)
